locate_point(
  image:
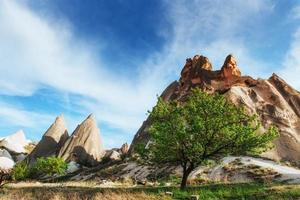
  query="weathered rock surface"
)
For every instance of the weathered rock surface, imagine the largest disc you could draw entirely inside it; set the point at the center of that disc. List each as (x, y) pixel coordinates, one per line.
(5, 153)
(6, 160)
(52, 140)
(84, 146)
(6, 163)
(15, 143)
(124, 148)
(273, 100)
(113, 155)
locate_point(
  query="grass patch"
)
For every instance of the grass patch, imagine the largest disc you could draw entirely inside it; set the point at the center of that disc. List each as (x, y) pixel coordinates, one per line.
(207, 192)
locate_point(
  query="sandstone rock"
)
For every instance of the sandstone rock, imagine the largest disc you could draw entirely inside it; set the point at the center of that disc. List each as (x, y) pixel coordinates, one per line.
(273, 100)
(124, 149)
(114, 155)
(230, 67)
(15, 143)
(84, 146)
(52, 140)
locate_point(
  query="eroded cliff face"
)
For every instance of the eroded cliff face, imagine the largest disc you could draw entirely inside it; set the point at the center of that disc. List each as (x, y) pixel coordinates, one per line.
(273, 100)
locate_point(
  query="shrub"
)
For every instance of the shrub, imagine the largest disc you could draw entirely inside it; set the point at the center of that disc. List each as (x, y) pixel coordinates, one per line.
(20, 171)
(50, 166)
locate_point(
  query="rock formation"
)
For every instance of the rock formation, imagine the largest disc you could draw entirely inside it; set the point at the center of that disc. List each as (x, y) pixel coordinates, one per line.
(124, 149)
(52, 140)
(15, 143)
(273, 100)
(84, 146)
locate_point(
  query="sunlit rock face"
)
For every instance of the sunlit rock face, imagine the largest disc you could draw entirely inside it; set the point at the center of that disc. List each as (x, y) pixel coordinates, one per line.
(15, 143)
(273, 100)
(84, 146)
(51, 142)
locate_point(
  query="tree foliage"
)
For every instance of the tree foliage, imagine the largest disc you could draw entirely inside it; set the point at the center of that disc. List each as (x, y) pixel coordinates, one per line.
(20, 171)
(205, 126)
(50, 166)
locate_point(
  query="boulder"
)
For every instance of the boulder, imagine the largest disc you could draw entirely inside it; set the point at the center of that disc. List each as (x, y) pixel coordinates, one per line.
(6, 163)
(73, 167)
(52, 140)
(84, 146)
(114, 155)
(273, 100)
(15, 143)
(5, 153)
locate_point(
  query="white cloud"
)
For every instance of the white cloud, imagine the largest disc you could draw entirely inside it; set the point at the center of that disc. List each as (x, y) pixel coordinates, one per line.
(291, 64)
(18, 116)
(37, 52)
(295, 12)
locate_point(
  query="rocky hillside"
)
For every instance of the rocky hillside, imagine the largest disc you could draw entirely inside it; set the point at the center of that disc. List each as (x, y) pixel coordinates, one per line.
(273, 100)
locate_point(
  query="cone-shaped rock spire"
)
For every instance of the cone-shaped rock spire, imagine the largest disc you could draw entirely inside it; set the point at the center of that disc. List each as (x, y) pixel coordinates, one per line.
(230, 67)
(52, 140)
(84, 146)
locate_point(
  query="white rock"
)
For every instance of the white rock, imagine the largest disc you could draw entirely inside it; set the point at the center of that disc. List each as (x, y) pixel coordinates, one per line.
(115, 155)
(72, 167)
(5, 153)
(6, 163)
(15, 142)
(20, 157)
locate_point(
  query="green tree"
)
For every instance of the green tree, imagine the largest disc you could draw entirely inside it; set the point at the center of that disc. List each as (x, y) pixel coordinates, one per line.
(204, 127)
(20, 171)
(50, 166)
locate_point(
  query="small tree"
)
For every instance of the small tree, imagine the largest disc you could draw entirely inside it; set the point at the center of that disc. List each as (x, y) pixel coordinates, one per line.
(50, 166)
(20, 171)
(203, 127)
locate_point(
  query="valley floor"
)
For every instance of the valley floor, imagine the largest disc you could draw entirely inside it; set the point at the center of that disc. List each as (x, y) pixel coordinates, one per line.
(213, 191)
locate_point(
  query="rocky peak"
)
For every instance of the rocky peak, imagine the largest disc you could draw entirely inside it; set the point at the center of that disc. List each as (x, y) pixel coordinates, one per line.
(193, 69)
(85, 145)
(201, 62)
(230, 67)
(15, 142)
(52, 140)
(272, 100)
(124, 148)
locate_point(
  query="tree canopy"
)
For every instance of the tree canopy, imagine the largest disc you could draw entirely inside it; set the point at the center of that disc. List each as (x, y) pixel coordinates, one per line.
(203, 127)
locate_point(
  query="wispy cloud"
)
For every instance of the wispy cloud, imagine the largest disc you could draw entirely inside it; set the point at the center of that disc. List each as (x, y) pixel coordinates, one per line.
(12, 115)
(37, 53)
(291, 64)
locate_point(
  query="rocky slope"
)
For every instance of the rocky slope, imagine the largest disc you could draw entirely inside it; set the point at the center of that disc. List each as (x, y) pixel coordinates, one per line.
(84, 146)
(52, 140)
(273, 100)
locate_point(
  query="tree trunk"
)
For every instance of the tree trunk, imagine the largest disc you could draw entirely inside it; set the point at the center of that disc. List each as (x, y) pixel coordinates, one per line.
(184, 179)
(186, 173)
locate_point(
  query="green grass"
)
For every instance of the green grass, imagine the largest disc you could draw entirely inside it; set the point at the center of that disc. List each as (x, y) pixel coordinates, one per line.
(241, 191)
(245, 191)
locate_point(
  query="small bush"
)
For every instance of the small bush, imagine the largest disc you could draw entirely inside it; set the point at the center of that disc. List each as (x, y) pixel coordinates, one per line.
(21, 171)
(50, 166)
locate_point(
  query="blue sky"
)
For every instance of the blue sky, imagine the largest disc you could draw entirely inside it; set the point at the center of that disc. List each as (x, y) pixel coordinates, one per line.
(112, 58)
